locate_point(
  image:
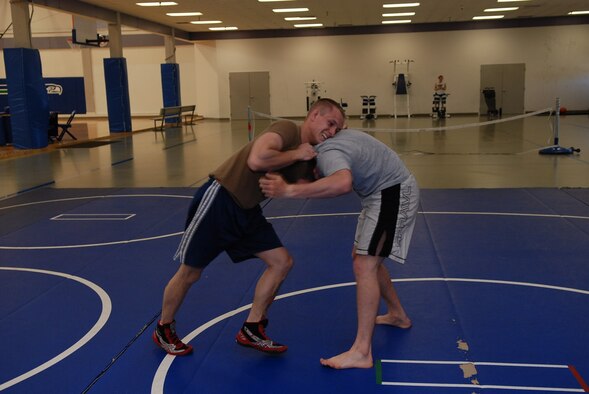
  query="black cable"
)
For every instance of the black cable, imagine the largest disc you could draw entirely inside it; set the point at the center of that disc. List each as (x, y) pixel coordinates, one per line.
(4, 32)
(267, 202)
(119, 354)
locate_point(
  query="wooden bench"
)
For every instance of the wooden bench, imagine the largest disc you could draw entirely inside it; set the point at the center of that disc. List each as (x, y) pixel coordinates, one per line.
(188, 112)
(175, 113)
(166, 113)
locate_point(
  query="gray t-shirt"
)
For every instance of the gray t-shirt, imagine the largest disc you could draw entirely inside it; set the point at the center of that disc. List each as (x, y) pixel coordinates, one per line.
(374, 165)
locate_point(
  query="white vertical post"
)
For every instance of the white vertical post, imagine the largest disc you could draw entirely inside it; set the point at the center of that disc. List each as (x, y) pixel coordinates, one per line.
(407, 83)
(115, 38)
(21, 25)
(557, 149)
(170, 48)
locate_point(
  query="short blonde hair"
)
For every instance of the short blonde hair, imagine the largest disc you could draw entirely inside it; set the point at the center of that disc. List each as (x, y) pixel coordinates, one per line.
(327, 103)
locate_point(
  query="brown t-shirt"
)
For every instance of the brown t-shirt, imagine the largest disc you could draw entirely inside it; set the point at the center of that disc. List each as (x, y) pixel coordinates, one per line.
(243, 183)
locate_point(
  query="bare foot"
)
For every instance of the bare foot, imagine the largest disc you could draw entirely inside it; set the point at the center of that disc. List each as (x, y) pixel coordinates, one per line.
(395, 321)
(349, 359)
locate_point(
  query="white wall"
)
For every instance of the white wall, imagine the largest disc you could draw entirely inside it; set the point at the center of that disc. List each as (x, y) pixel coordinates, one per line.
(556, 58)
(206, 80)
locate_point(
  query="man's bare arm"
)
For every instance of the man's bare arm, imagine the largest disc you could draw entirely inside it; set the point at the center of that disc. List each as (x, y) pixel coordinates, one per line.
(266, 154)
(338, 183)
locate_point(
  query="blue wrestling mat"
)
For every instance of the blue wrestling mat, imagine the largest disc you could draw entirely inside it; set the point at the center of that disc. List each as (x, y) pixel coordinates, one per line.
(496, 285)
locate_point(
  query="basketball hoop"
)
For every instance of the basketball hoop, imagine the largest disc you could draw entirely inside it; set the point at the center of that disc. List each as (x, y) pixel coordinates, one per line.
(103, 41)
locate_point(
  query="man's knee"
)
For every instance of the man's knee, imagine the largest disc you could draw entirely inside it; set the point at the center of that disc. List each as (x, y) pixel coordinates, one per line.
(284, 263)
(278, 259)
(288, 262)
(188, 274)
(366, 265)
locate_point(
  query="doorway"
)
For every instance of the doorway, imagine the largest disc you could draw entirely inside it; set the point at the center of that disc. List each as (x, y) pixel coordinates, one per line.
(249, 89)
(508, 81)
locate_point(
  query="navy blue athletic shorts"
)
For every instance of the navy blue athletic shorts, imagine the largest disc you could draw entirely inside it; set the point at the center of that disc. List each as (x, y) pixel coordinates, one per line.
(215, 223)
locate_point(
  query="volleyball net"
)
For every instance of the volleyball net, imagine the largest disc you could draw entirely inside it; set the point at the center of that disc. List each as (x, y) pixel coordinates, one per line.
(253, 115)
(553, 126)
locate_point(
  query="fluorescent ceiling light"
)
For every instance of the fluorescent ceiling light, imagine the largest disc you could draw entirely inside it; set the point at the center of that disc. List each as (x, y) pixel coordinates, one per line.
(309, 25)
(272, 1)
(396, 21)
(501, 9)
(205, 22)
(300, 18)
(223, 28)
(509, 1)
(399, 14)
(578, 12)
(184, 13)
(476, 18)
(157, 3)
(400, 5)
(290, 9)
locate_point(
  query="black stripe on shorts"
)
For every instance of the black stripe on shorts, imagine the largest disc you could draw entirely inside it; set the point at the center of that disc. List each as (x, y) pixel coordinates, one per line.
(387, 221)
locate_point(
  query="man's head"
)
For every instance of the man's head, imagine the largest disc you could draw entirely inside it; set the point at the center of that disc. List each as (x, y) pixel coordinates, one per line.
(440, 77)
(325, 118)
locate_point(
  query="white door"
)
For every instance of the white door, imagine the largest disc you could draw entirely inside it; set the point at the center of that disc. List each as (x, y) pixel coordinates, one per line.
(508, 81)
(249, 89)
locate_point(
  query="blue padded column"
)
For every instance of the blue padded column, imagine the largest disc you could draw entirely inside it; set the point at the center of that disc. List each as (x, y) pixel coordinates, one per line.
(27, 98)
(117, 94)
(171, 87)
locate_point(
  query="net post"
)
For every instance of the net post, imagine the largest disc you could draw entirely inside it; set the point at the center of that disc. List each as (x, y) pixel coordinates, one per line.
(249, 124)
(557, 121)
(557, 149)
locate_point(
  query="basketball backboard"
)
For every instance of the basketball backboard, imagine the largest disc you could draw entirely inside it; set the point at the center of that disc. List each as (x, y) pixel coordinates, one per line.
(85, 32)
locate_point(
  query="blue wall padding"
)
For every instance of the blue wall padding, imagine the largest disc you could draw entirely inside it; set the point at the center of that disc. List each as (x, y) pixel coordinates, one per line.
(27, 98)
(65, 94)
(171, 87)
(117, 95)
(401, 84)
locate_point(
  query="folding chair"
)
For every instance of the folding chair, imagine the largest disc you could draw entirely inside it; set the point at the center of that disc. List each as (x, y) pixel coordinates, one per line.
(65, 127)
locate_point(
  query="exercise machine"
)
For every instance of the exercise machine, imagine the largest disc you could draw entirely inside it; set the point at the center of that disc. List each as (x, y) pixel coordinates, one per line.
(401, 84)
(489, 95)
(313, 92)
(343, 104)
(439, 106)
(368, 107)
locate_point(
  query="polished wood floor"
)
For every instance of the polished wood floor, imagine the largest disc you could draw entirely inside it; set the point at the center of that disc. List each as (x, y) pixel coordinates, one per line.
(501, 155)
